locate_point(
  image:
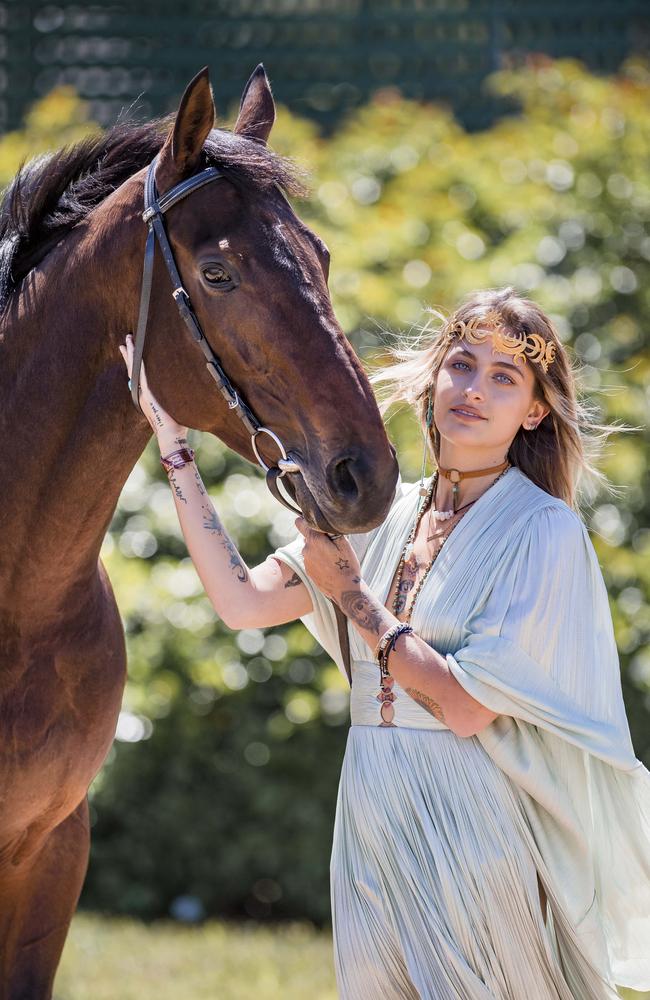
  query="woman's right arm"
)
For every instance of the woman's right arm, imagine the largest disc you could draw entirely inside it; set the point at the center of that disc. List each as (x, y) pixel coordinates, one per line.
(269, 594)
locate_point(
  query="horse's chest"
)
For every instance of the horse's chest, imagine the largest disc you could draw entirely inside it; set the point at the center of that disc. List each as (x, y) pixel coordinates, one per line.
(59, 702)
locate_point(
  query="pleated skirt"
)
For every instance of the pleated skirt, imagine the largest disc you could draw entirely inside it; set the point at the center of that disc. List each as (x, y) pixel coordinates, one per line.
(434, 880)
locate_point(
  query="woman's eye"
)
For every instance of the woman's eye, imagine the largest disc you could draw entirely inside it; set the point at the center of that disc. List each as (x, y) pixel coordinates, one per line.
(498, 375)
(217, 275)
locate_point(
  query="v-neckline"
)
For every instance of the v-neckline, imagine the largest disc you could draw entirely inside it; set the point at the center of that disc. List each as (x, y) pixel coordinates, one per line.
(404, 536)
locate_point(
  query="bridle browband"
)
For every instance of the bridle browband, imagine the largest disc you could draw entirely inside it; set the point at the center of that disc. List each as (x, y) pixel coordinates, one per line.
(153, 216)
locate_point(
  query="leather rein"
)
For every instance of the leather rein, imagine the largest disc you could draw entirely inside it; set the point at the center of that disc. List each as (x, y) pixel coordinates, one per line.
(153, 215)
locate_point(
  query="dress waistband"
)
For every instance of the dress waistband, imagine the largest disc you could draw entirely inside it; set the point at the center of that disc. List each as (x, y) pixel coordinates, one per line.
(365, 708)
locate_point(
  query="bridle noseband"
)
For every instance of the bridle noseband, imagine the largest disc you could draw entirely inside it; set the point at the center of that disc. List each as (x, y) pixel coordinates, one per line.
(153, 215)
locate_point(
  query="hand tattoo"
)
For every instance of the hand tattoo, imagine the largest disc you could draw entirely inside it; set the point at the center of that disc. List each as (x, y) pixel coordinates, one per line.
(293, 581)
(427, 703)
(360, 609)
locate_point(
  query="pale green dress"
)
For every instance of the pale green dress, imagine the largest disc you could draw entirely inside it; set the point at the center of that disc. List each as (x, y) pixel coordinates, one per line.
(438, 839)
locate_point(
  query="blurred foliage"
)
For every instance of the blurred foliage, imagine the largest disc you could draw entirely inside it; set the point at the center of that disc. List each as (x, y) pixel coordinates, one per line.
(218, 796)
(58, 119)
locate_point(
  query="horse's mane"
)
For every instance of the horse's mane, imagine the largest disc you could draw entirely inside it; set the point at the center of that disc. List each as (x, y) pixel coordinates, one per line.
(53, 192)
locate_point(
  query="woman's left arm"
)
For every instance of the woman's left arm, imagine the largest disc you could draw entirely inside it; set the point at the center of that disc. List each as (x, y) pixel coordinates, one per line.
(419, 670)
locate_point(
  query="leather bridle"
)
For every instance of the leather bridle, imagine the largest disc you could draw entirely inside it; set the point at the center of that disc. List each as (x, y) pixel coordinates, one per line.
(153, 216)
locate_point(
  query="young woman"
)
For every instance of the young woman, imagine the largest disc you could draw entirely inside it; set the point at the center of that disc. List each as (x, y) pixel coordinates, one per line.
(493, 840)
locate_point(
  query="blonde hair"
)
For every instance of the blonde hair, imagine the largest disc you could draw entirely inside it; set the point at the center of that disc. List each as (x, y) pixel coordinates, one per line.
(567, 444)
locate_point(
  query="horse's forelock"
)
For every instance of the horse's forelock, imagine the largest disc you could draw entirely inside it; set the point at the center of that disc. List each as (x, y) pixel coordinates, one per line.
(54, 191)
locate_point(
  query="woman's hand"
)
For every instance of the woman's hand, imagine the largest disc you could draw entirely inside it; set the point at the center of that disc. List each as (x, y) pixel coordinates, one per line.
(331, 563)
(164, 427)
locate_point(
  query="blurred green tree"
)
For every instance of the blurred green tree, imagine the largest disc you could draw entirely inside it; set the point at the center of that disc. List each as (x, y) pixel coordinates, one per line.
(218, 796)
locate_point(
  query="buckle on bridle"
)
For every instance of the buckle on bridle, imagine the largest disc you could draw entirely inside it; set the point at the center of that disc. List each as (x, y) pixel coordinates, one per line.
(149, 213)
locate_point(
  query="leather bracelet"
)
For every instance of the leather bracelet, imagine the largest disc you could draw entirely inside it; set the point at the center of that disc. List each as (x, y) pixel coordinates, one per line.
(177, 459)
(387, 642)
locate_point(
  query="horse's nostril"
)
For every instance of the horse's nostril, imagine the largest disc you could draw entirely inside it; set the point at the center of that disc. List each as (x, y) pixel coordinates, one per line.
(341, 478)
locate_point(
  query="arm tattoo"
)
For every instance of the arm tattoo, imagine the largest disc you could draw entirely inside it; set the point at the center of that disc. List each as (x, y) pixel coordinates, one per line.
(294, 581)
(427, 703)
(359, 609)
(235, 561)
(342, 564)
(211, 521)
(212, 524)
(178, 493)
(199, 482)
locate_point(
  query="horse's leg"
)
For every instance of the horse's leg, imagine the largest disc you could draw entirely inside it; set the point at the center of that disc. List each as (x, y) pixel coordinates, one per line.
(37, 907)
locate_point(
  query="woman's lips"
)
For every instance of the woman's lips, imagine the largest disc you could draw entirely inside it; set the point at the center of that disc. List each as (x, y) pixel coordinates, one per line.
(466, 416)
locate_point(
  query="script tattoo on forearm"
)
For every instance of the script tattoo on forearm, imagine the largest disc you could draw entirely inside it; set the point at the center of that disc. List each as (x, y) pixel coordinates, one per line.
(199, 482)
(293, 581)
(427, 703)
(178, 493)
(359, 609)
(156, 414)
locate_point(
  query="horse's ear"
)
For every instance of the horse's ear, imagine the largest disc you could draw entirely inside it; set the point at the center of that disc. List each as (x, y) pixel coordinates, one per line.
(181, 150)
(257, 108)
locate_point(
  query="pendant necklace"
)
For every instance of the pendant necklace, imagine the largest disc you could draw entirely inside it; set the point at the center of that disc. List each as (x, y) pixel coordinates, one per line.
(386, 695)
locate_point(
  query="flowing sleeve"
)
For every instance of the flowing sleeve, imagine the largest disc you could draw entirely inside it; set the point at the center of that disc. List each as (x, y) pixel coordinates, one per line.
(321, 621)
(540, 651)
(541, 647)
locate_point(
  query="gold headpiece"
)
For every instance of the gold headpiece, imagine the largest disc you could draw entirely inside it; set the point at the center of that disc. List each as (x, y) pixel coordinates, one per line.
(531, 344)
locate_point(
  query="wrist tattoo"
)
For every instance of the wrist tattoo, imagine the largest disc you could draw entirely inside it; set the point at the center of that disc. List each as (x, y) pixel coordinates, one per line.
(178, 493)
(199, 482)
(427, 703)
(293, 581)
(360, 609)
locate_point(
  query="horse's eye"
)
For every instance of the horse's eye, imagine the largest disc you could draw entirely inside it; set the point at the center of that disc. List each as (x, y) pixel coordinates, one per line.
(216, 274)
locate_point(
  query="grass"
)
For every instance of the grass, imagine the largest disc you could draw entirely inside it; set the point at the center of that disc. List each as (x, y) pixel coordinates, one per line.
(118, 959)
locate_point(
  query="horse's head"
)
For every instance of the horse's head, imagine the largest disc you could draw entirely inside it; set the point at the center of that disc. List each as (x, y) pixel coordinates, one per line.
(257, 280)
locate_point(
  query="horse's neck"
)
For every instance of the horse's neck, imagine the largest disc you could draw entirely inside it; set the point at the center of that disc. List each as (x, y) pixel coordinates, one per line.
(70, 434)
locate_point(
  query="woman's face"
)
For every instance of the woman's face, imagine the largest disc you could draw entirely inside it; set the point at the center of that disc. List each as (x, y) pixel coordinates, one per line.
(492, 384)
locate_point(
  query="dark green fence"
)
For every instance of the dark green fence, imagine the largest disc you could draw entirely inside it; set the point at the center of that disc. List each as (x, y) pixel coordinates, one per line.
(323, 56)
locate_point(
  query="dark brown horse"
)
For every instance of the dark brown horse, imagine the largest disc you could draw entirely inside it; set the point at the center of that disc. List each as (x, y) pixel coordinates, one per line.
(71, 250)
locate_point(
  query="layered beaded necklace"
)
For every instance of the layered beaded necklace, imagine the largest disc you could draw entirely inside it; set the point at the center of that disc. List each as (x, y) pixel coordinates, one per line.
(386, 695)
